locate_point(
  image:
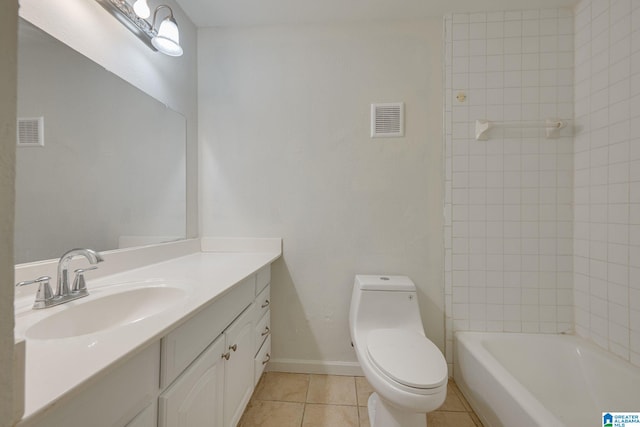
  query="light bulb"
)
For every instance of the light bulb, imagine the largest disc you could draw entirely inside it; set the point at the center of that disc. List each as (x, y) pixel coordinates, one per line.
(167, 40)
(141, 8)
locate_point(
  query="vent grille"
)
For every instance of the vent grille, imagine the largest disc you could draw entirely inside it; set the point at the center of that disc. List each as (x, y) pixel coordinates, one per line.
(31, 132)
(387, 120)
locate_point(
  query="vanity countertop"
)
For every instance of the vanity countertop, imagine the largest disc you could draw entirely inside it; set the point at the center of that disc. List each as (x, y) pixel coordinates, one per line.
(58, 369)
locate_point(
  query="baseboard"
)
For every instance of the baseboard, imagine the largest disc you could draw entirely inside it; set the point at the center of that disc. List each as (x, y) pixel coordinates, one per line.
(315, 367)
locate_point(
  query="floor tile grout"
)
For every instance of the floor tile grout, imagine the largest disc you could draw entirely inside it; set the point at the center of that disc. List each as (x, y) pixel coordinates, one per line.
(442, 417)
(306, 398)
(355, 387)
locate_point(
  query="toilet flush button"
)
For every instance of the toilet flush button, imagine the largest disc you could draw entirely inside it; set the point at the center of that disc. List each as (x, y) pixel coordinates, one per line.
(384, 278)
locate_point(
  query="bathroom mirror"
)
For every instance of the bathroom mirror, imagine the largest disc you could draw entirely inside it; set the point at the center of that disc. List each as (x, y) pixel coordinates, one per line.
(112, 170)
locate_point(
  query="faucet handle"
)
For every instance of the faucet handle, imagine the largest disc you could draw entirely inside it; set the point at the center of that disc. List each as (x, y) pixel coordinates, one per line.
(79, 284)
(44, 296)
(26, 282)
(40, 280)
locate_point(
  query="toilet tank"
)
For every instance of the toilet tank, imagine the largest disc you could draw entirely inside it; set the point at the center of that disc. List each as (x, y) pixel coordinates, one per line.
(384, 283)
(380, 301)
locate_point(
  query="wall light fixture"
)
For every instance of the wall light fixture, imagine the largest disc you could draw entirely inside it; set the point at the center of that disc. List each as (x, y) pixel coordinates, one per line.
(164, 38)
(141, 8)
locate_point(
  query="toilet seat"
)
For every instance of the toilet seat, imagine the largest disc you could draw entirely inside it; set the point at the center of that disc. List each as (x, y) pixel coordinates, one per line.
(407, 357)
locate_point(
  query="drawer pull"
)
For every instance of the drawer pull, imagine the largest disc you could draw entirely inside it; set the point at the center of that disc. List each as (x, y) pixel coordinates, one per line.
(226, 355)
(264, 362)
(266, 331)
(266, 304)
(233, 347)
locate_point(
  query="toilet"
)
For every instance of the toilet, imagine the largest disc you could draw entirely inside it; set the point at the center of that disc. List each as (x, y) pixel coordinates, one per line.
(406, 370)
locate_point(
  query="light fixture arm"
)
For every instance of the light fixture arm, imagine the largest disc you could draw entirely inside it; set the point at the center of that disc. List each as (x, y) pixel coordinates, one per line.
(155, 15)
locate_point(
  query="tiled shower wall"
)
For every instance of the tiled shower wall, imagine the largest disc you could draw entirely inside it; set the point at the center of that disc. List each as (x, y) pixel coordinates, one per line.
(607, 175)
(508, 206)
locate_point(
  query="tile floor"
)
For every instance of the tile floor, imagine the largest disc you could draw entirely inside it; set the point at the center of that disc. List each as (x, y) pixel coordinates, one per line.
(307, 400)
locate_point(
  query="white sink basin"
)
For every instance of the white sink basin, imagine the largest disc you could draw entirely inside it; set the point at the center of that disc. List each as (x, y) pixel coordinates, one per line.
(109, 311)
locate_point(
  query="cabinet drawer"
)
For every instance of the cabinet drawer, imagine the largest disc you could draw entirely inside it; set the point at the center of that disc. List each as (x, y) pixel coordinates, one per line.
(263, 278)
(262, 358)
(263, 330)
(182, 345)
(263, 303)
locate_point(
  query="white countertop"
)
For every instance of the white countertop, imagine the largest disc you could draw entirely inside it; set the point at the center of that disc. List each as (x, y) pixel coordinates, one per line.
(58, 369)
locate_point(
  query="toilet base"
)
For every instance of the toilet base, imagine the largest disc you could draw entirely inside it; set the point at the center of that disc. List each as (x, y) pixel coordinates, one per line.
(381, 414)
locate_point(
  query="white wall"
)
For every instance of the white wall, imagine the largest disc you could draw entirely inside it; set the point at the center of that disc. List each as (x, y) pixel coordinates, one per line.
(8, 84)
(88, 28)
(508, 228)
(607, 175)
(285, 151)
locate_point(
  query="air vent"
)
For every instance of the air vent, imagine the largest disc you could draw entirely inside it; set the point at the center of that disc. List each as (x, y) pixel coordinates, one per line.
(31, 132)
(387, 120)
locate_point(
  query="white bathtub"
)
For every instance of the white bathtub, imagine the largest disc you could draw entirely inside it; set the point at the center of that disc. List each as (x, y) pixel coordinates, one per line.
(522, 380)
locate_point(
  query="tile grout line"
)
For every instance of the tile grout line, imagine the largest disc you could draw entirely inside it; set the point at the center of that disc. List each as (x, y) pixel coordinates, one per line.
(306, 397)
(466, 409)
(355, 386)
(311, 403)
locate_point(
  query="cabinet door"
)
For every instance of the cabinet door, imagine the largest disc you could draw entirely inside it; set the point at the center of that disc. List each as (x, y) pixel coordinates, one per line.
(195, 398)
(238, 384)
(146, 418)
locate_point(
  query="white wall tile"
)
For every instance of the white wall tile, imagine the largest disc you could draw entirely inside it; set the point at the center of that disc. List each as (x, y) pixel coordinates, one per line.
(512, 194)
(558, 263)
(605, 268)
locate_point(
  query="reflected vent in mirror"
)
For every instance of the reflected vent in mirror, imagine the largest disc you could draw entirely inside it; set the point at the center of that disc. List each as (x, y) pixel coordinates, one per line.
(387, 120)
(31, 132)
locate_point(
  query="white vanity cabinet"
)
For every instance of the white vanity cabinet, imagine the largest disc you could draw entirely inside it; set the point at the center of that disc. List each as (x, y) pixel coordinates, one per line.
(201, 372)
(214, 390)
(184, 344)
(212, 387)
(125, 396)
(262, 321)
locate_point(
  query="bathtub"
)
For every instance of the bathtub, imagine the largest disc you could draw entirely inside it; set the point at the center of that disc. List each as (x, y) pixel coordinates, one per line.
(522, 380)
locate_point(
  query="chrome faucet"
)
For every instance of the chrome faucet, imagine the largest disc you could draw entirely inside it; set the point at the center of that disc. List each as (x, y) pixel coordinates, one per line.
(62, 289)
(46, 298)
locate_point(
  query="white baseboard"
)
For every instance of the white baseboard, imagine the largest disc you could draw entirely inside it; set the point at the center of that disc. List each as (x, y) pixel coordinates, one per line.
(315, 367)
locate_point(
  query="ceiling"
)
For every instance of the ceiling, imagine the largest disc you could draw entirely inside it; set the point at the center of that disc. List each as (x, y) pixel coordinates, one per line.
(215, 13)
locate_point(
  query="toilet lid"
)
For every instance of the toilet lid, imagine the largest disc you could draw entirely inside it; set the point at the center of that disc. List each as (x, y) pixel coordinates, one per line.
(407, 357)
